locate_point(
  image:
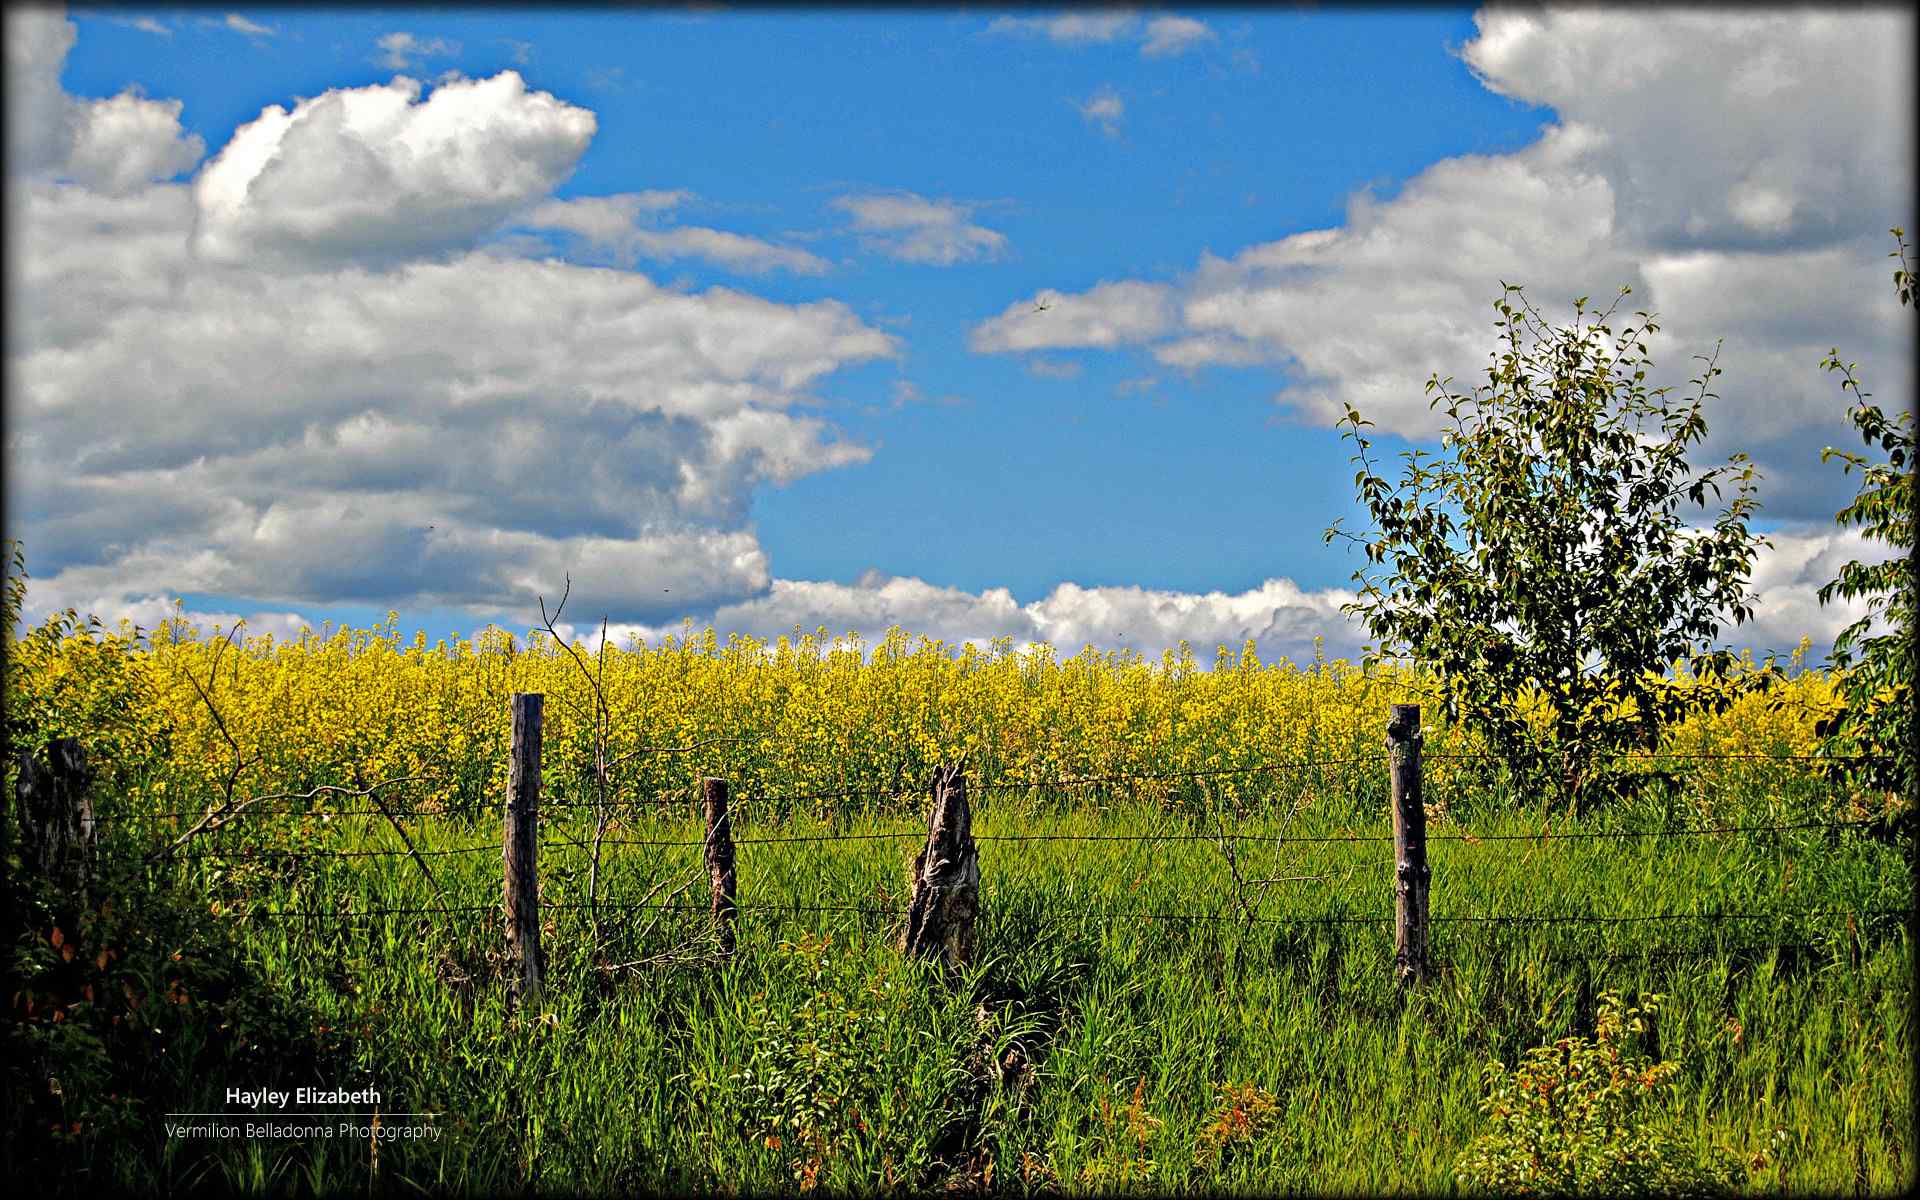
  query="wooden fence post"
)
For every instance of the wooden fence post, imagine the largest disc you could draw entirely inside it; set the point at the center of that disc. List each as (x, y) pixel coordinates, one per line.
(520, 847)
(946, 876)
(56, 814)
(720, 874)
(1410, 846)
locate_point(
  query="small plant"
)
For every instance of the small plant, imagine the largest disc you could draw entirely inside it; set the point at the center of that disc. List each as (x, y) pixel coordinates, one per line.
(1125, 1158)
(1578, 1117)
(1242, 1115)
(853, 1071)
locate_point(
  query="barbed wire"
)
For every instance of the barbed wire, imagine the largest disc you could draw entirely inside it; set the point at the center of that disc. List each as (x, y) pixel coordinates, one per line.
(1104, 915)
(1658, 952)
(1236, 837)
(1638, 918)
(270, 852)
(1013, 784)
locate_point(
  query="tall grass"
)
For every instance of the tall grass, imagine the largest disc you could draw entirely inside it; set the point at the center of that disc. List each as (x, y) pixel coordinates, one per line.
(1119, 987)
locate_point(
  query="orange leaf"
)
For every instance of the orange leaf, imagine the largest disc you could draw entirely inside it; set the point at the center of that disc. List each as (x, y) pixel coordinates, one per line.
(59, 939)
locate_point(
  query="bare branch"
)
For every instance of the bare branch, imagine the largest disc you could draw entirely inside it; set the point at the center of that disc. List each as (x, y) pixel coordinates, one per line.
(229, 810)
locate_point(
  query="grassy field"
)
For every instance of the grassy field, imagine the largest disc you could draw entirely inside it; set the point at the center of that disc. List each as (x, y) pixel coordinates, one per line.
(1143, 1014)
(1120, 1006)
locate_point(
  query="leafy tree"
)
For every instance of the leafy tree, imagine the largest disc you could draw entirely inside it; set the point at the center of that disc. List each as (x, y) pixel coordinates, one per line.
(1878, 721)
(1542, 565)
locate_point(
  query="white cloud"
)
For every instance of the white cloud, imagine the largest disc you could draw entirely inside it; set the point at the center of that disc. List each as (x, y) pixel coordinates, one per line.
(742, 253)
(376, 176)
(400, 50)
(240, 24)
(1051, 368)
(1787, 577)
(452, 434)
(383, 417)
(1103, 108)
(112, 146)
(604, 219)
(1737, 171)
(144, 25)
(1164, 36)
(611, 222)
(1775, 127)
(1170, 36)
(1279, 617)
(913, 228)
(1077, 28)
(126, 142)
(150, 612)
(1106, 315)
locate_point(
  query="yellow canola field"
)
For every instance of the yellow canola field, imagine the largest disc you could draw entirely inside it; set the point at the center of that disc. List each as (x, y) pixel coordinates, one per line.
(803, 715)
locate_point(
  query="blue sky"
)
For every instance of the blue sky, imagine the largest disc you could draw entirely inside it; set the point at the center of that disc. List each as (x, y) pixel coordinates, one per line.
(1026, 324)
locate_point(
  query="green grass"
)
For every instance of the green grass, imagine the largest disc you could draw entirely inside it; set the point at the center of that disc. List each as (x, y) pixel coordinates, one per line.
(1086, 1048)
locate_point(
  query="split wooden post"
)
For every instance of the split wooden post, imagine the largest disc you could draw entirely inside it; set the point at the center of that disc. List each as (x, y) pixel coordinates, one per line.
(520, 847)
(55, 813)
(1411, 876)
(720, 875)
(946, 877)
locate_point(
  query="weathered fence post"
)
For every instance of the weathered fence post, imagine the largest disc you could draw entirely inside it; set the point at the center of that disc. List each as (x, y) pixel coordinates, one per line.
(56, 814)
(1410, 845)
(520, 847)
(720, 874)
(946, 876)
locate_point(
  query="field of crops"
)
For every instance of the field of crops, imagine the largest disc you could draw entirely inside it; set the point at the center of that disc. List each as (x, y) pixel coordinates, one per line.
(1184, 973)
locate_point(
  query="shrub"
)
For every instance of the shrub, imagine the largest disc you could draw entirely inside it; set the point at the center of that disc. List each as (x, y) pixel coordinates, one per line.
(1578, 1117)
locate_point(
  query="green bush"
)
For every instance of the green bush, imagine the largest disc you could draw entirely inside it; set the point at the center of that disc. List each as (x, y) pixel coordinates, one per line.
(855, 1074)
(1578, 1116)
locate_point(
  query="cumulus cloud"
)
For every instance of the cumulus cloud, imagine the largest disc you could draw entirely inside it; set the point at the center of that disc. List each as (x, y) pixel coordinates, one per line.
(1724, 130)
(1279, 617)
(400, 50)
(1103, 109)
(1787, 578)
(613, 223)
(1737, 171)
(113, 146)
(148, 613)
(1105, 316)
(437, 434)
(382, 418)
(377, 176)
(913, 228)
(1170, 36)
